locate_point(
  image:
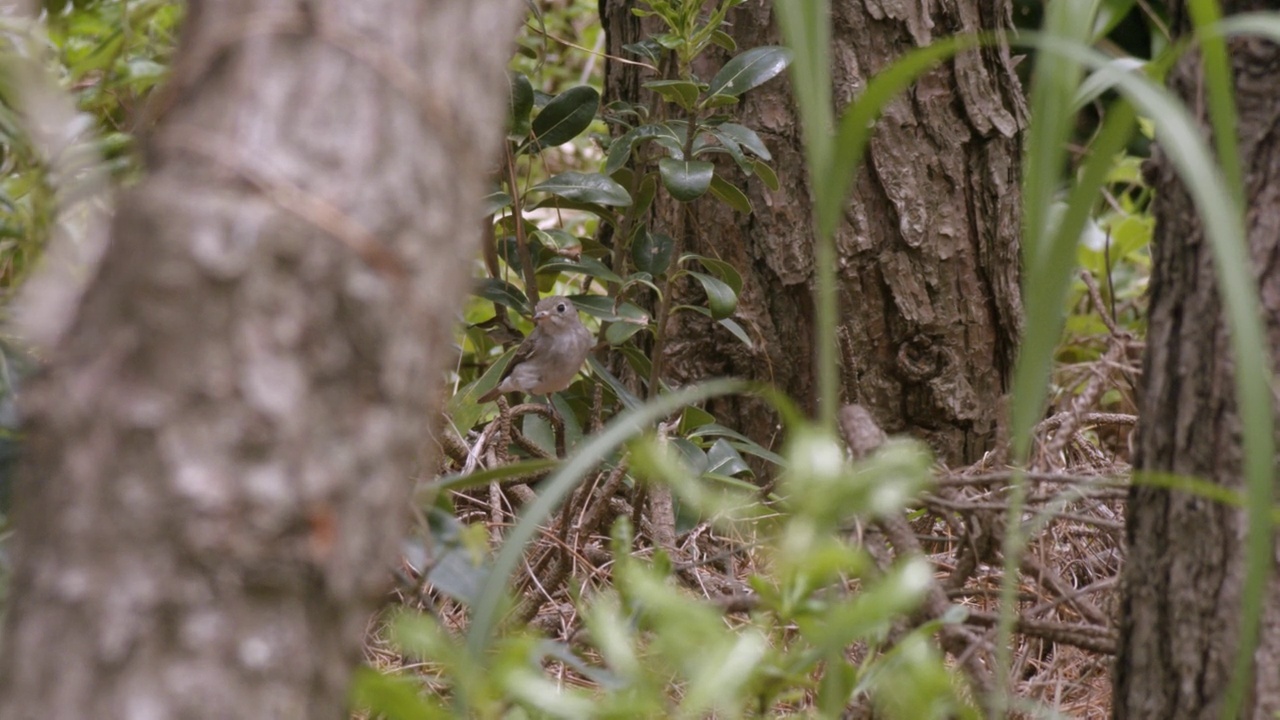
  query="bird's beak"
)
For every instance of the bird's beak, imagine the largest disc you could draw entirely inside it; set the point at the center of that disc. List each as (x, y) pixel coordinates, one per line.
(541, 315)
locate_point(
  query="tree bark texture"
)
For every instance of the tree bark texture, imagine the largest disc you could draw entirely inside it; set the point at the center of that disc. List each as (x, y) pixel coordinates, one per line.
(1184, 567)
(221, 447)
(929, 252)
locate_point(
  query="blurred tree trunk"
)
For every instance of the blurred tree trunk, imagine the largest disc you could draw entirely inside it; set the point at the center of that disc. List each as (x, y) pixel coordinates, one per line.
(929, 253)
(1184, 569)
(222, 444)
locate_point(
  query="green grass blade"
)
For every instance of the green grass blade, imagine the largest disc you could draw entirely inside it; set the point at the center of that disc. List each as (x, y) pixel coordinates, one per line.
(1205, 14)
(805, 26)
(1218, 208)
(1045, 290)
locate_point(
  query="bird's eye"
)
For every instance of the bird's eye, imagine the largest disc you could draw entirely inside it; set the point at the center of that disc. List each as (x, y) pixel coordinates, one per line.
(561, 308)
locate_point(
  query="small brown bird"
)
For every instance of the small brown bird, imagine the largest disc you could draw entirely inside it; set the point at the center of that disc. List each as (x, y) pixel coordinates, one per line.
(548, 359)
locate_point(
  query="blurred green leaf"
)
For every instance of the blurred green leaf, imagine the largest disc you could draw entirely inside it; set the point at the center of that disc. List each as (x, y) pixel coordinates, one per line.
(394, 698)
(520, 104)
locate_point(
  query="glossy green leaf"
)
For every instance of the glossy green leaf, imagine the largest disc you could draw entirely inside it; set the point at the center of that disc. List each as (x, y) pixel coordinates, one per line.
(585, 265)
(624, 395)
(721, 269)
(719, 101)
(740, 441)
(751, 69)
(725, 459)
(586, 187)
(709, 143)
(503, 293)
(651, 252)
(730, 194)
(495, 201)
(736, 330)
(720, 297)
(565, 117)
(724, 40)
(765, 172)
(644, 196)
(686, 180)
(562, 203)
(727, 323)
(669, 135)
(619, 332)
(743, 136)
(681, 92)
(610, 310)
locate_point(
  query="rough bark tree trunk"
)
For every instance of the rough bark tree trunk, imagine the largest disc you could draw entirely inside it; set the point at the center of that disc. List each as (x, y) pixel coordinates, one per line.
(929, 253)
(1184, 567)
(221, 446)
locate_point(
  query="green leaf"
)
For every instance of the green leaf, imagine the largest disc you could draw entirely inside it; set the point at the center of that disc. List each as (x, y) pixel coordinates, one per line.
(670, 136)
(644, 196)
(503, 293)
(721, 269)
(744, 136)
(585, 265)
(625, 396)
(740, 441)
(481, 478)
(727, 323)
(586, 187)
(609, 310)
(651, 252)
(686, 180)
(555, 237)
(730, 194)
(563, 203)
(724, 459)
(495, 201)
(766, 174)
(567, 115)
(720, 297)
(519, 104)
(733, 327)
(719, 101)
(395, 698)
(724, 40)
(680, 92)
(749, 70)
(619, 332)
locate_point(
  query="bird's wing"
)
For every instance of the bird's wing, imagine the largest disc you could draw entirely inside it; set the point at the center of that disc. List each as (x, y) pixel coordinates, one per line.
(527, 348)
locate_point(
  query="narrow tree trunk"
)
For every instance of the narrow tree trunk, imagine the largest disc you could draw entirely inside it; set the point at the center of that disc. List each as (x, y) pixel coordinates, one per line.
(929, 251)
(1184, 570)
(221, 446)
